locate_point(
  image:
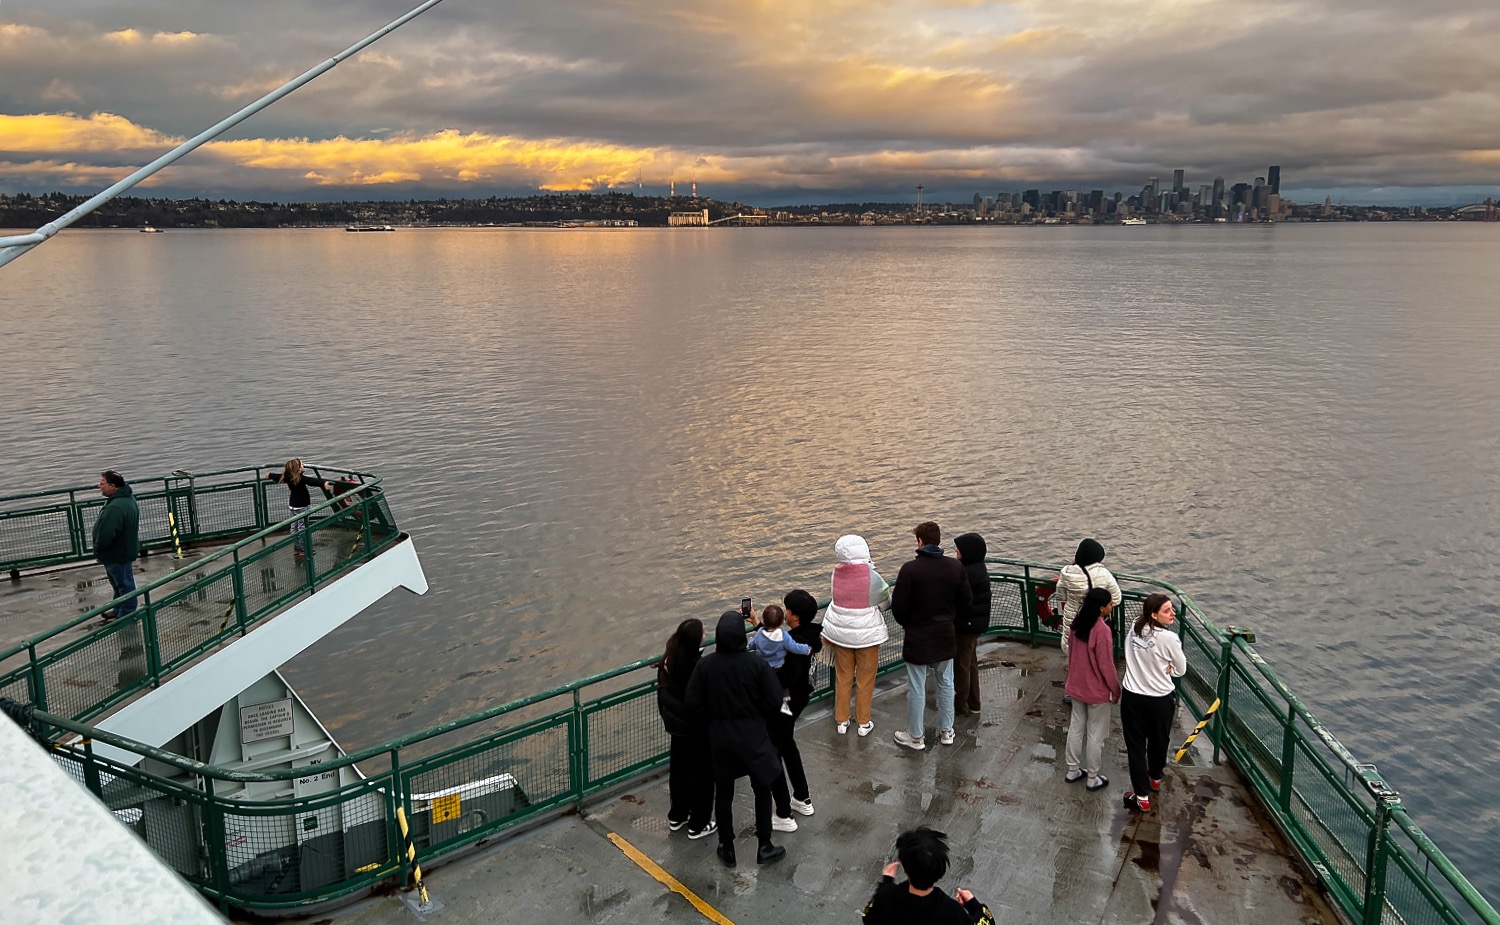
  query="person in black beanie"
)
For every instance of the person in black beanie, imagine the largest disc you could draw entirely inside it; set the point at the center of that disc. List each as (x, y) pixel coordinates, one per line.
(737, 692)
(971, 623)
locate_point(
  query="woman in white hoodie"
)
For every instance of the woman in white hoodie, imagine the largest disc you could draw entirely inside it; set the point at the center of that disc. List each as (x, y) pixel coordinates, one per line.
(854, 628)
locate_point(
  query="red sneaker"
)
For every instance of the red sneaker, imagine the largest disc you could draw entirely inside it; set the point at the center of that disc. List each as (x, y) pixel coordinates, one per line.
(1156, 783)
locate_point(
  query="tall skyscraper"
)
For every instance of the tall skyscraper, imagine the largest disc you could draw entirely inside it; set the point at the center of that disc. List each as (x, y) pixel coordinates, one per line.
(1177, 179)
(1216, 207)
(1273, 177)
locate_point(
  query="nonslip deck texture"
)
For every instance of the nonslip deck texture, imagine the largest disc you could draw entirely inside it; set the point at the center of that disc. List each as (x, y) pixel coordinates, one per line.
(1036, 849)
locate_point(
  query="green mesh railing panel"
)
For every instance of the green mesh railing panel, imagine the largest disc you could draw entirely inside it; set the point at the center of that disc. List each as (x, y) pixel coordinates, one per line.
(605, 730)
(624, 735)
(201, 605)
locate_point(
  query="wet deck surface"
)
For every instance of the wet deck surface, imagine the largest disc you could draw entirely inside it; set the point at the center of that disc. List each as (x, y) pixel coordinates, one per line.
(1034, 848)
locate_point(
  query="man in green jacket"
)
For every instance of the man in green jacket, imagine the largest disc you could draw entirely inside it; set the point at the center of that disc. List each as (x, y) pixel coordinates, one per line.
(117, 539)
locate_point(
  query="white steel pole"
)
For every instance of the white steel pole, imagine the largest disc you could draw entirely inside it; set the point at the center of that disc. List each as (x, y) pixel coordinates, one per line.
(16, 245)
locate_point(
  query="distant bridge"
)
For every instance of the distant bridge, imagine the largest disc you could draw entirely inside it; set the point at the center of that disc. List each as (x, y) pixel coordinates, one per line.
(741, 219)
(1486, 211)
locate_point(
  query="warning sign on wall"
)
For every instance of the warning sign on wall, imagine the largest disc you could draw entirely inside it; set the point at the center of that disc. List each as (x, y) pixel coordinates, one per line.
(445, 808)
(267, 720)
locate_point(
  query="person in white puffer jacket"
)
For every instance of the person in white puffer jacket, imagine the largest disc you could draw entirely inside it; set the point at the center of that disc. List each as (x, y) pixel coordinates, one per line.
(1076, 580)
(854, 628)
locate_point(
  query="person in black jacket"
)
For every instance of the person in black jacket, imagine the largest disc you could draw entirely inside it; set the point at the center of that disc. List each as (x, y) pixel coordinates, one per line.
(796, 677)
(918, 900)
(690, 776)
(737, 691)
(972, 622)
(930, 591)
(299, 499)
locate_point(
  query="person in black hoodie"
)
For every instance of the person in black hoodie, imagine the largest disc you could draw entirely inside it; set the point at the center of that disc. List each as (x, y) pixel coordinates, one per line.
(690, 776)
(737, 692)
(971, 624)
(795, 675)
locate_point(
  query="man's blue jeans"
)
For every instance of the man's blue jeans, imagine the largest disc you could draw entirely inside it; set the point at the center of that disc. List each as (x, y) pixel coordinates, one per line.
(916, 696)
(122, 580)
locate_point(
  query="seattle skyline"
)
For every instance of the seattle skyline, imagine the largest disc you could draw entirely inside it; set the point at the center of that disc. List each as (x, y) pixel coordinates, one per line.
(767, 104)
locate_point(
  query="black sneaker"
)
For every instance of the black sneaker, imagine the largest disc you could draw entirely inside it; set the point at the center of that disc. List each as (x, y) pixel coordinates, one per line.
(769, 854)
(675, 824)
(109, 616)
(726, 853)
(704, 832)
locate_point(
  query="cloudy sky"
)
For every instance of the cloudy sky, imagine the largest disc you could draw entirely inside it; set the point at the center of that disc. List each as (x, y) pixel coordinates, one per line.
(765, 101)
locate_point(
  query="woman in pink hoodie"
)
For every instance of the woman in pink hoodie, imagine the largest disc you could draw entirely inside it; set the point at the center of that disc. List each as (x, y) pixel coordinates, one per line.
(853, 629)
(1093, 684)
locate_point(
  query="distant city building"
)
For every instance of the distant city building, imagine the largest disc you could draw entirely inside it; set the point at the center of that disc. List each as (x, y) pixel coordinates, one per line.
(1178, 176)
(684, 219)
(1273, 177)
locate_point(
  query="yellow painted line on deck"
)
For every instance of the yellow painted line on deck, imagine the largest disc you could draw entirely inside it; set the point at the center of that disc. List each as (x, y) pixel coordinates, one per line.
(671, 882)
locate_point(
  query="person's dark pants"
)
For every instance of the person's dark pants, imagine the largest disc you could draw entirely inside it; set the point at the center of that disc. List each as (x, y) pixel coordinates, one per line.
(727, 769)
(782, 730)
(122, 580)
(966, 675)
(690, 782)
(1147, 725)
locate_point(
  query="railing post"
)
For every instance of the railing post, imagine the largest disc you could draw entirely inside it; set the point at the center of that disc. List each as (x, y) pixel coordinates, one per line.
(307, 558)
(91, 771)
(397, 799)
(1288, 759)
(148, 637)
(211, 816)
(38, 679)
(237, 578)
(1386, 800)
(579, 750)
(1231, 633)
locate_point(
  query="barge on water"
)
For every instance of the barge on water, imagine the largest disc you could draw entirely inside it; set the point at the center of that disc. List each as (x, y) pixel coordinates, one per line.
(176, 719)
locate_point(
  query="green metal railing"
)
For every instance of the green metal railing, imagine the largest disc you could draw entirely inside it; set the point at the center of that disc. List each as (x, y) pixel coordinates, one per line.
(193, 609)
(543, 754)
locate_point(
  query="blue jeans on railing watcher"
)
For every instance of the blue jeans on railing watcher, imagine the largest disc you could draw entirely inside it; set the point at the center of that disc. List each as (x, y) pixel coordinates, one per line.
(122, 580)
(916, 696)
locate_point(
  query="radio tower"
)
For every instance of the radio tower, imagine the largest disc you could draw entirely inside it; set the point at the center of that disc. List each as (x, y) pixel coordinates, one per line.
(672, 188)
(695, 187)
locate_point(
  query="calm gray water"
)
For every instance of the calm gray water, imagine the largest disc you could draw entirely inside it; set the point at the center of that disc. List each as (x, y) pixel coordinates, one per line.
(592, 434)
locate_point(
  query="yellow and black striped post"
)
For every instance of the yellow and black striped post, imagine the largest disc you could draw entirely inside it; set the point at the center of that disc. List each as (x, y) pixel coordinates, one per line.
(410, 852)
(176, 540)
(1197, 729)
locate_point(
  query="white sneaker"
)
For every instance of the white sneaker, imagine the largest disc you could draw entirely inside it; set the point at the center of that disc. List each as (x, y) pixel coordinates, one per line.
(786, 708)
(844, 727)
(904, 738)
(804, 807)
(866, 728)
(704, 832)
(780, 824)
(945, 736)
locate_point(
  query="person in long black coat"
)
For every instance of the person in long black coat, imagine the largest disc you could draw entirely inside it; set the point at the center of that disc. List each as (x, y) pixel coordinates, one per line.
(738, 692)
(690, 778)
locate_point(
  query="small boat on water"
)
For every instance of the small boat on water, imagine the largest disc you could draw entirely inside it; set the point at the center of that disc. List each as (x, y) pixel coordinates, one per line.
(370, 228)
(1133, 221)
(149, 229)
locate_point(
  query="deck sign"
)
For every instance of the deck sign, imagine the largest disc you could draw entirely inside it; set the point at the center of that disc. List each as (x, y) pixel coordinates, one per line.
(447, 807)
(261, 721)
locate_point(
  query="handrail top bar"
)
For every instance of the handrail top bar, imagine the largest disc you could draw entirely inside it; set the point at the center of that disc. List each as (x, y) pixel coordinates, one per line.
(13, 247)
(178, 475)
(195, 565)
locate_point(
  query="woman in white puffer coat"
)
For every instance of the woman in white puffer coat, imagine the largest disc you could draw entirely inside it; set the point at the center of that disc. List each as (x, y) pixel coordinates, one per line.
(853, 630)
(1075, 581)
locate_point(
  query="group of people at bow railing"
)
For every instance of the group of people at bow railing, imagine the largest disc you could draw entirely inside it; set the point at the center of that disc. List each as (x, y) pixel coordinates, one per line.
(117, 530)
(732, 713)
